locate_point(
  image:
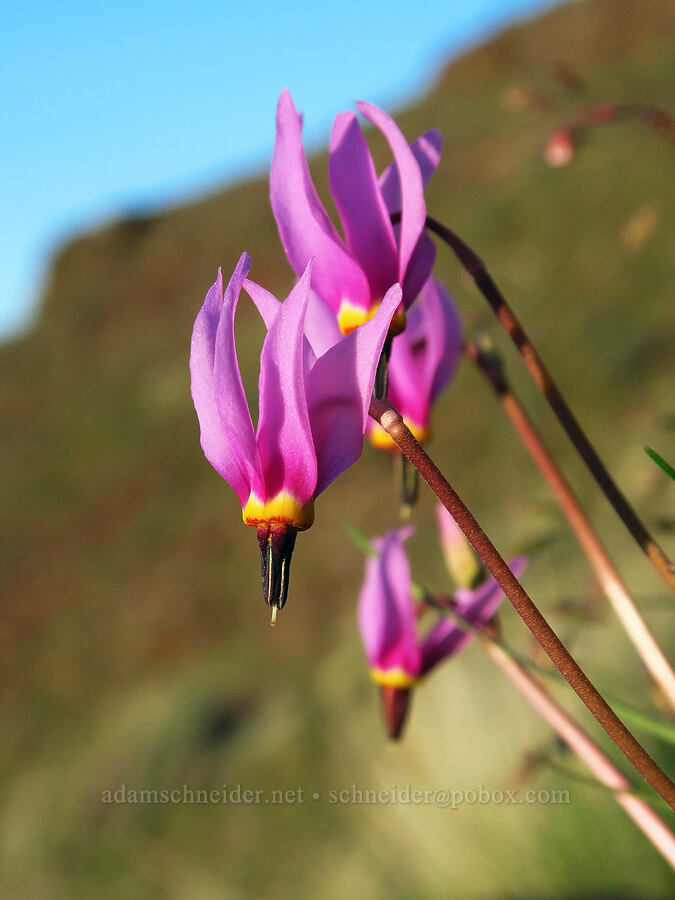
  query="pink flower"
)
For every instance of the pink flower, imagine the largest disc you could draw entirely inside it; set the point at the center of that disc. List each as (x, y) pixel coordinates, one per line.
(423, 360)
(313, 410)
(353, 275)
(399, 656)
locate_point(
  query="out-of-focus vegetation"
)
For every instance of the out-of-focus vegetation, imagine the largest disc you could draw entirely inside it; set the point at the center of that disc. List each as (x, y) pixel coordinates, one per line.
(135, 643)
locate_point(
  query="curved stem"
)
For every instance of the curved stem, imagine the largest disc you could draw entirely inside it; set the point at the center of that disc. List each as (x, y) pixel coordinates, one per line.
(616, 591)
(475, 266)
(394, 425)
(583, 745)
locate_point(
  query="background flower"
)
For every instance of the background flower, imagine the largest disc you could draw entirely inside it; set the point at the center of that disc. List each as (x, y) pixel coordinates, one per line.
(399, 655)
(353, 275)
(423, 360)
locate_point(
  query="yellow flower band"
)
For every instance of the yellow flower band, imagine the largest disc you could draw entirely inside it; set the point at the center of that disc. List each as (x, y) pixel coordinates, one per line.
(282, 508)
(380, 438)
(351, 316)
(396, 678)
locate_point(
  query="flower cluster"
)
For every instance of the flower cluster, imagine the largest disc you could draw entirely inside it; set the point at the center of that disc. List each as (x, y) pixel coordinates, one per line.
(325, 342)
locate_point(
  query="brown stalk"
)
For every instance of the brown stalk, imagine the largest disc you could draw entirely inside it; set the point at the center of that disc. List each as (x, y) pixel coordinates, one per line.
(582, 744)
(394, 425)
(475, 266)
(489, 363)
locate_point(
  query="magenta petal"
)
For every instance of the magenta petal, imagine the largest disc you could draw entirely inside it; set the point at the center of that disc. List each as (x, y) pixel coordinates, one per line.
(284, 435)
(425, 356)
(408, 393)
(339, 390)
(268, 306)
(419, 269)
(227, 436)
(266, 303)
(321, 327)
(413, 208)
(353, 182)
(427, 151)
(477, 607)
(304, 226)
(445, 335)
(386, 611)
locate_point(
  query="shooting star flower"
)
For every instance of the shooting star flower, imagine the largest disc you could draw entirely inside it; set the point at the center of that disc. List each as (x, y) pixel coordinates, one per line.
(353, 275)
(423, 360)
(313, 409)
(399, 656)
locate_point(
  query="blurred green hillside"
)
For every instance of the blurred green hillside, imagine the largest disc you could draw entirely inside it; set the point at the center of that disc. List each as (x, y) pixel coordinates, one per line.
(135, 643)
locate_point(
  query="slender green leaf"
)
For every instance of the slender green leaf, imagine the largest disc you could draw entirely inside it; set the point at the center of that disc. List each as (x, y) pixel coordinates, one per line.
(660, 462)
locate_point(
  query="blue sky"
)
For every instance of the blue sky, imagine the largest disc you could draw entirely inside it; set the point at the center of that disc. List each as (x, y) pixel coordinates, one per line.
(111, 108)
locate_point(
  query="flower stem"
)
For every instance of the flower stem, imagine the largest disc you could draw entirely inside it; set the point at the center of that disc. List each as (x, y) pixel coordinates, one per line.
(583, 745)
(394, 425)
(474, 265)
(489, 363)
(657, 119)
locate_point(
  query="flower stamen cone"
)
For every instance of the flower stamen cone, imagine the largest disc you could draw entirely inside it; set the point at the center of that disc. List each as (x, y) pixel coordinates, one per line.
(276, 541)
(395, 706)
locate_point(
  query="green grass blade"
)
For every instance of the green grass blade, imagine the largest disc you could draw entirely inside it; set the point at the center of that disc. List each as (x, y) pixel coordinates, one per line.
(660, 462)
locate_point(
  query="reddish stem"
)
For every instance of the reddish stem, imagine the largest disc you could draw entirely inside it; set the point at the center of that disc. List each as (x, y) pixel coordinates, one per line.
(507, 318)
(489, 363)
(581, 743)
(394, 425)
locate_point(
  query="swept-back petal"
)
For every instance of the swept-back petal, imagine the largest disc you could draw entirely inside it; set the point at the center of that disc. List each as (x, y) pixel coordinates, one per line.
(413, 208)
(407, 390)
(266, 303)
(427, 151)
(227, 436)
(386, 611)
(268, 306)
(444, 336)
(419, 269)
(339, 389)
(425, 356)
(284, 435)
(367, 226)
(304, 226)
(477, 607)
(321, 327)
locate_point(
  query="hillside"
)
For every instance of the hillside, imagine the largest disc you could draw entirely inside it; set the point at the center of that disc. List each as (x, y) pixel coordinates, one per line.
(135, 646)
